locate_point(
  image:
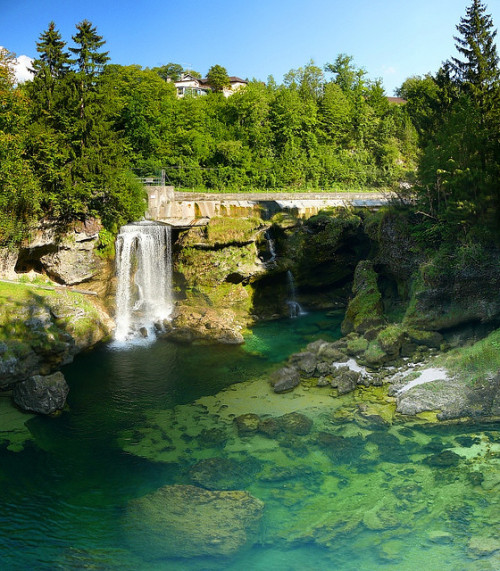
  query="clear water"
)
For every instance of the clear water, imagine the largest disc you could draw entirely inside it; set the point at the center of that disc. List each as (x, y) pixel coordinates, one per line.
(354, 493)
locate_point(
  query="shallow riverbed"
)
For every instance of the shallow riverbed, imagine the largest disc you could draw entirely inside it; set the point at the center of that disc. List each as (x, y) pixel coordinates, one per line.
(346, 484)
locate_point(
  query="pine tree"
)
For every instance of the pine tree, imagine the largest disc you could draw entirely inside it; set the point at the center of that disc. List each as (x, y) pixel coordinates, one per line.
(90, 62)
(478, 73)
(52, 65)
(53, 57)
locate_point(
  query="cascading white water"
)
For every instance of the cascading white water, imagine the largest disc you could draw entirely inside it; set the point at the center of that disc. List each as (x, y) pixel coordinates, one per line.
(144, 270)
(271, 247)
(294, 307)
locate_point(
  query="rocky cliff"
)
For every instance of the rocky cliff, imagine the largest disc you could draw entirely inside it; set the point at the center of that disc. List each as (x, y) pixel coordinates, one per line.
(43, 322)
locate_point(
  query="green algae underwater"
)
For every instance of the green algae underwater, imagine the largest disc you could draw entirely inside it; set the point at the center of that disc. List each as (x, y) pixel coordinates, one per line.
(337, 482)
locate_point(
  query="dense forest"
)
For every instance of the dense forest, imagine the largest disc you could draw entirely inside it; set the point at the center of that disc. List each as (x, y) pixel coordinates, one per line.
(74, 139)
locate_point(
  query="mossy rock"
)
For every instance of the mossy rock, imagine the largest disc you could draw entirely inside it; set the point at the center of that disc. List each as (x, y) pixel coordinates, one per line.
(365, 310)
(357, 345)
(391, 339)
(431, 339)
(232, 230)
(375, 356)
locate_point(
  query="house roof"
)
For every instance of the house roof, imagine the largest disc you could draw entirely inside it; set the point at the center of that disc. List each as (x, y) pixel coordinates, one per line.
(232, 79)
(397, 100)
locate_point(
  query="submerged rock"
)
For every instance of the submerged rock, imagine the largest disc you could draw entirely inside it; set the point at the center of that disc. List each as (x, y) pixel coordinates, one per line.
(221, 473)
(444, 459)
(186, 521)
(247, 423)
(296, 423)
(271, 427)
(42, 394)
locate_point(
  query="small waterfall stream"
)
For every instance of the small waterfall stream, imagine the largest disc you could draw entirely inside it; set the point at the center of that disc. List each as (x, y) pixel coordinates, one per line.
(294, 307)
(271, 248)
(144, 270)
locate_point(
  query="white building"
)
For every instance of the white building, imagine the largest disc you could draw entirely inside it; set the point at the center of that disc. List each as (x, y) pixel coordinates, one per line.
(188, 84)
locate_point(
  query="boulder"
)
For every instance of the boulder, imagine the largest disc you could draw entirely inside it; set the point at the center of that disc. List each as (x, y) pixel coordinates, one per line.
(285, 379)
(186, 521)
(305, 362)
(445, 459)
(270, 427)
(345, 380)
(42, 394)
(192, 323)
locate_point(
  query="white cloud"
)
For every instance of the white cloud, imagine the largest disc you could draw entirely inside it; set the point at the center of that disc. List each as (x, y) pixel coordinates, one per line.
(21, 67)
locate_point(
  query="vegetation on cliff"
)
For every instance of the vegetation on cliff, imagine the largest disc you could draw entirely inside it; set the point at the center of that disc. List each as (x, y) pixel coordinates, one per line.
(50, 327)
(71, 137)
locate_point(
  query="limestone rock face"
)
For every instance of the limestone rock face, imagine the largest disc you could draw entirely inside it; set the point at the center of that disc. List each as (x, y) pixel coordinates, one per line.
(215, 266)
(187, 521)
(8, 260)
(206, 324)
(42, 394)
(466, 294)
(45, 329)
(66, 255)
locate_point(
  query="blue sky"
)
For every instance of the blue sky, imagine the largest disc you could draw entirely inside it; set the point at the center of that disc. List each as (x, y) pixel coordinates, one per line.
(391, 39)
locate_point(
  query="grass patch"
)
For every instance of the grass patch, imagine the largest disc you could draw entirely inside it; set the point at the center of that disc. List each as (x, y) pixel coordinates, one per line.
(476, 361)
(40, 319)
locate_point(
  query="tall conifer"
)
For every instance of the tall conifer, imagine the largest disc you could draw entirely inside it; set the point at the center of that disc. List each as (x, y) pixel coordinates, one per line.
(477, 73)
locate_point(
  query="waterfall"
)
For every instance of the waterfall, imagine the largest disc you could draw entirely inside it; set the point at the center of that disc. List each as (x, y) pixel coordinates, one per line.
(144, 270)
(271, 248)
(294, 308)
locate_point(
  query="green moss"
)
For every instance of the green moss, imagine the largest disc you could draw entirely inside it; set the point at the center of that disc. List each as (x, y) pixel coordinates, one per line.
(228, 230)
(375, 355)
(357, 345)
(365, 310)
(28, 322)
(391, 338)
(212, 267)
(284, 220)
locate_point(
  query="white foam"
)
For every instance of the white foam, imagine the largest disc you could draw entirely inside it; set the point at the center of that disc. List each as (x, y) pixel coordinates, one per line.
(425, 376)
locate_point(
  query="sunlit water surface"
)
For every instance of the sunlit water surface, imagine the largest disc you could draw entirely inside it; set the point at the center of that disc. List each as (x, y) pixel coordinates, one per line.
(354, 493)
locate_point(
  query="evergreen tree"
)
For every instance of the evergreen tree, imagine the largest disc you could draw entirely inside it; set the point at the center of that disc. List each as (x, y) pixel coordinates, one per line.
(52, 66)
(89, 60)
(53, 59)
(19, 190)
(478, 73)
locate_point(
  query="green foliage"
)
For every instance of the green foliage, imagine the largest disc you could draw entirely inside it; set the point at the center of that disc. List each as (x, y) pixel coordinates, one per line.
(457, 116)
(106, 245)
(70, 138)
(19, 189)
(217, 78)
